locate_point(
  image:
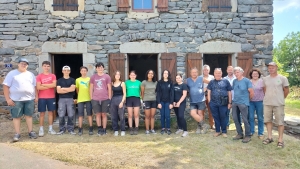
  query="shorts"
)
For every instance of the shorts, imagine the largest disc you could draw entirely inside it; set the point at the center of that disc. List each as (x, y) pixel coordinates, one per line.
(22, 108)
(150, 104)
(46, 104)
(101, 106)
(277, 111)
(133, 102)
(198, 106)
(88, 108)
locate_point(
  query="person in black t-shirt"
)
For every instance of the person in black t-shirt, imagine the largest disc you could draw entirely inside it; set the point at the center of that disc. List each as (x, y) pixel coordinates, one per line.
(180, 92)
(66, 91)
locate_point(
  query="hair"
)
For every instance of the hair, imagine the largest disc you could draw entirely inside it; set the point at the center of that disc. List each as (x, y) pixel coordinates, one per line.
(206, 66)
(132, 71)
(83, 67)
(179, 74)
(113, 78)
(255, 70)
(99, 64)
(239, 69)
(194, 68)
(229, 67)
(154, 76)
(46, 63)
(169, 75)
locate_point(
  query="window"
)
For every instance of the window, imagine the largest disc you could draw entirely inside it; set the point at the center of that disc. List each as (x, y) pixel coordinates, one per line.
(65, 5)
(148, 6)
(142, 5)
(219, 6)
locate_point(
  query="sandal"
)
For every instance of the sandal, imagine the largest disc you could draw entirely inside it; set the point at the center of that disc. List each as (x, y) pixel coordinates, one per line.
(280, 144)
(217, 134)
(268, 141)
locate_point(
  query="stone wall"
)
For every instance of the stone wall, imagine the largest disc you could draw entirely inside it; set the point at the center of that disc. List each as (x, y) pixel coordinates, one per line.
(25, 25)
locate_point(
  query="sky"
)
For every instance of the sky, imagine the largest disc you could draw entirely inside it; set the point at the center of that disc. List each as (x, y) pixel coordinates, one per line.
(286, 18)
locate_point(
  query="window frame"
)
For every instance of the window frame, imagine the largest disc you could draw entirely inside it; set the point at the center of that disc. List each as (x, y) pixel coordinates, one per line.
(218, 9)
(142, 10)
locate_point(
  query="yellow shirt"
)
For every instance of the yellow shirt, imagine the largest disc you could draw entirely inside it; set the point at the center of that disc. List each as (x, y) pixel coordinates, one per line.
(83, 86)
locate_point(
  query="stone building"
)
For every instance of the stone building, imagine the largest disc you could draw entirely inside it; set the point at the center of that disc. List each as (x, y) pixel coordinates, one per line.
(136, 34)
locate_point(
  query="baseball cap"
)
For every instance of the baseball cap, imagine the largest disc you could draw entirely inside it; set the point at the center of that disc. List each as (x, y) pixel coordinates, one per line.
(272, 64)
(23, 60)
(66, 68)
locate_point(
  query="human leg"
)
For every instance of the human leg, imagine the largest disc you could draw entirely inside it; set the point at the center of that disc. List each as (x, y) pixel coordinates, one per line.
(252, 109)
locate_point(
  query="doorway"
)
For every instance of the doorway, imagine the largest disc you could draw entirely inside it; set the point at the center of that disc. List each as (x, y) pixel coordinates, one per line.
(217, 61)
(141, 63)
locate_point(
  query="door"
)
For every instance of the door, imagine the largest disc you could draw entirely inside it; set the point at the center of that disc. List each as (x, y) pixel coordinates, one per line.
(193, 60)
(245, 61)
(117, 62)
(168, 62)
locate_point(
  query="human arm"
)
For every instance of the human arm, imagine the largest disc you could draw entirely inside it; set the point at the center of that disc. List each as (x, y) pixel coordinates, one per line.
(158, 95)
(142, 90)
(9, 101)
(109, 90)
(286, 91)
(171, 95)
(91, 89)
(51, 85)
(36, 95)
(124, 95)
(229, 99)
(251, 92)
(39, 86)
(208, 95)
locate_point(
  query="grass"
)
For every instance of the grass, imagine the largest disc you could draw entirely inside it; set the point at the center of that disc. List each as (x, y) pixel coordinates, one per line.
(160, 151)
(292, 107)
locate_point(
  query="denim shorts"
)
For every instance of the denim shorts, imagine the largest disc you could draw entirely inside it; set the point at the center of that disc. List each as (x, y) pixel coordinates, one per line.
(150, 104)
(198, 106)
(88, 108)
(46, 104)
(101, 106)
(22, 108)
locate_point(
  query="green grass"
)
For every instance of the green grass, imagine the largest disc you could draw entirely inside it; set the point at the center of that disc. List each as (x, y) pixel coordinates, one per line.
(292, 107)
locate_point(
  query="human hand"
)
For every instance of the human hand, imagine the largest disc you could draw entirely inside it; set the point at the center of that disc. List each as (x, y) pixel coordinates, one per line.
(10, 102)
(121, 105)
(159, 106)
(170, 106)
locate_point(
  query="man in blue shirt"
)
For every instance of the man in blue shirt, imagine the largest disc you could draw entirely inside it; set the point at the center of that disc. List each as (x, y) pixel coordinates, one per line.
(197, 99)
(243, 92)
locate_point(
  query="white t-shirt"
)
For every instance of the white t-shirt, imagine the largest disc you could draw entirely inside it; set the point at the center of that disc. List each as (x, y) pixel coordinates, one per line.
(231, 83)
(210, 77)
(21, 85)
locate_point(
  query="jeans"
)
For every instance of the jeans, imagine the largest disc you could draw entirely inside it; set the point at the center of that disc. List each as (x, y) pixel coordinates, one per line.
(256, 106)
(117, 113)
(237, 111)
(165, 119)
(179, 111)
(63, 105)
(219, 113)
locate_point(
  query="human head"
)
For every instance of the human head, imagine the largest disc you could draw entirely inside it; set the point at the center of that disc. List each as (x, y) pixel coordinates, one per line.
(23, 64)
(238, 72)
(206, 70)
(194, 72)
(272, 68)
(150, 74)
(117, 76)
(218, 73)
(178, 78)
(229, 70)
(166, 75)
(83, 70)
(46, 66)
(255, 74)
(132, 75)
(66, 70)
(99, 67)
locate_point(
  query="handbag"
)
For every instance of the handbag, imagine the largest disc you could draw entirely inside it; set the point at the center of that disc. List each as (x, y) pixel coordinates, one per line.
(224, 99)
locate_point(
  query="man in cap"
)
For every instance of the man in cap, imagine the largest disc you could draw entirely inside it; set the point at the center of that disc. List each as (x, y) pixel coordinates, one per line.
(20, 93)
(276, 88)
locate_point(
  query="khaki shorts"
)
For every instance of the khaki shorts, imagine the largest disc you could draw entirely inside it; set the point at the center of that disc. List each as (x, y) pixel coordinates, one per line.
(277, 111)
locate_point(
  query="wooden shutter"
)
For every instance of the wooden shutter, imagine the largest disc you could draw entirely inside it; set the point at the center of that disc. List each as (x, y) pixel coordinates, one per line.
(117, 62)
(219, 6)
(245, 61)
(193, 60)
(168, 61)
(123, 5)
(65, 5)
(162, 5)
(204, 5)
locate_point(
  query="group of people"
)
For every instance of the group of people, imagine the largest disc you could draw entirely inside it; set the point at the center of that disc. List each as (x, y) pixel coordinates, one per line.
(103, 94)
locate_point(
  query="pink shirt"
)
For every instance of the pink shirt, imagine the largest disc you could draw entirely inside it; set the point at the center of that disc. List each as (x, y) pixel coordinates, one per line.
(100, 83)
(46, 79)
(258, 88)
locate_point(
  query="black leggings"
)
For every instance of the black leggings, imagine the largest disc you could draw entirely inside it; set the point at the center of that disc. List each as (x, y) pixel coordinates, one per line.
(179, 111)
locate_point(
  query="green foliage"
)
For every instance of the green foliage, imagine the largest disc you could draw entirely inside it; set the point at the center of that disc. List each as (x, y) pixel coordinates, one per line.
(287, 55)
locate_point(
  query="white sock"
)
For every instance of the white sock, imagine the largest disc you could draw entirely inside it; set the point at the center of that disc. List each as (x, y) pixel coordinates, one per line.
(41, 128)
(50, 127)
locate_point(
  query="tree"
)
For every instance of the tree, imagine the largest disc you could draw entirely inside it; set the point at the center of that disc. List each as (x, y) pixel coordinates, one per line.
(287, 53)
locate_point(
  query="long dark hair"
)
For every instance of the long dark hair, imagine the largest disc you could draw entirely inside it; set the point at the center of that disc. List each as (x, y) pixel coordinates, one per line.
(114, 79)
(169, 75)
(154, 76)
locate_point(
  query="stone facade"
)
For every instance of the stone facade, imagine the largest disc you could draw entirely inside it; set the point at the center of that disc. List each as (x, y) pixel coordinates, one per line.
(26, 29)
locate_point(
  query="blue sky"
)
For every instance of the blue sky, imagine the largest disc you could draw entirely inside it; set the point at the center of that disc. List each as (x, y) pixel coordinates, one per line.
(286, 18)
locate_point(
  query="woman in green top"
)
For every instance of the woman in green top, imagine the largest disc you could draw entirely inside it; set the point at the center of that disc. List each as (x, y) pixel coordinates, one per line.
(149, 97)
(133, 101)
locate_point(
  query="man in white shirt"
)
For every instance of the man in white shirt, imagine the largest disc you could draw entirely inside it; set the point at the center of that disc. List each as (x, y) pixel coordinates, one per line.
(230, 77)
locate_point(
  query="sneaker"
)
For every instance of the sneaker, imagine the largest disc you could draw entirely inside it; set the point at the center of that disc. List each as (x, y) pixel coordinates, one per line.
(99, 131)
(51, 132)
(152, 131)
(116, 133)
(169, 132)
(61, 132)
(179, 131)
(72, 133)
(147, 132)
(103, 132)
(246, 139)
(184, 134)
(204, 129)
(136, 131)
(32, 134)
(122, 133)
(79, 131)
(41, 133)
(16, 137)
(162, 131)
(131, 130)
(198, 131)
(224, 135)
(91, 131)
(237, 137)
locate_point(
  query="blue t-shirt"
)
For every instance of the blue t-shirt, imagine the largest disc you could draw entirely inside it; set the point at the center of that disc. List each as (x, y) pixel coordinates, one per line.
(218, 88)
(241, 93)
(196, 90)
